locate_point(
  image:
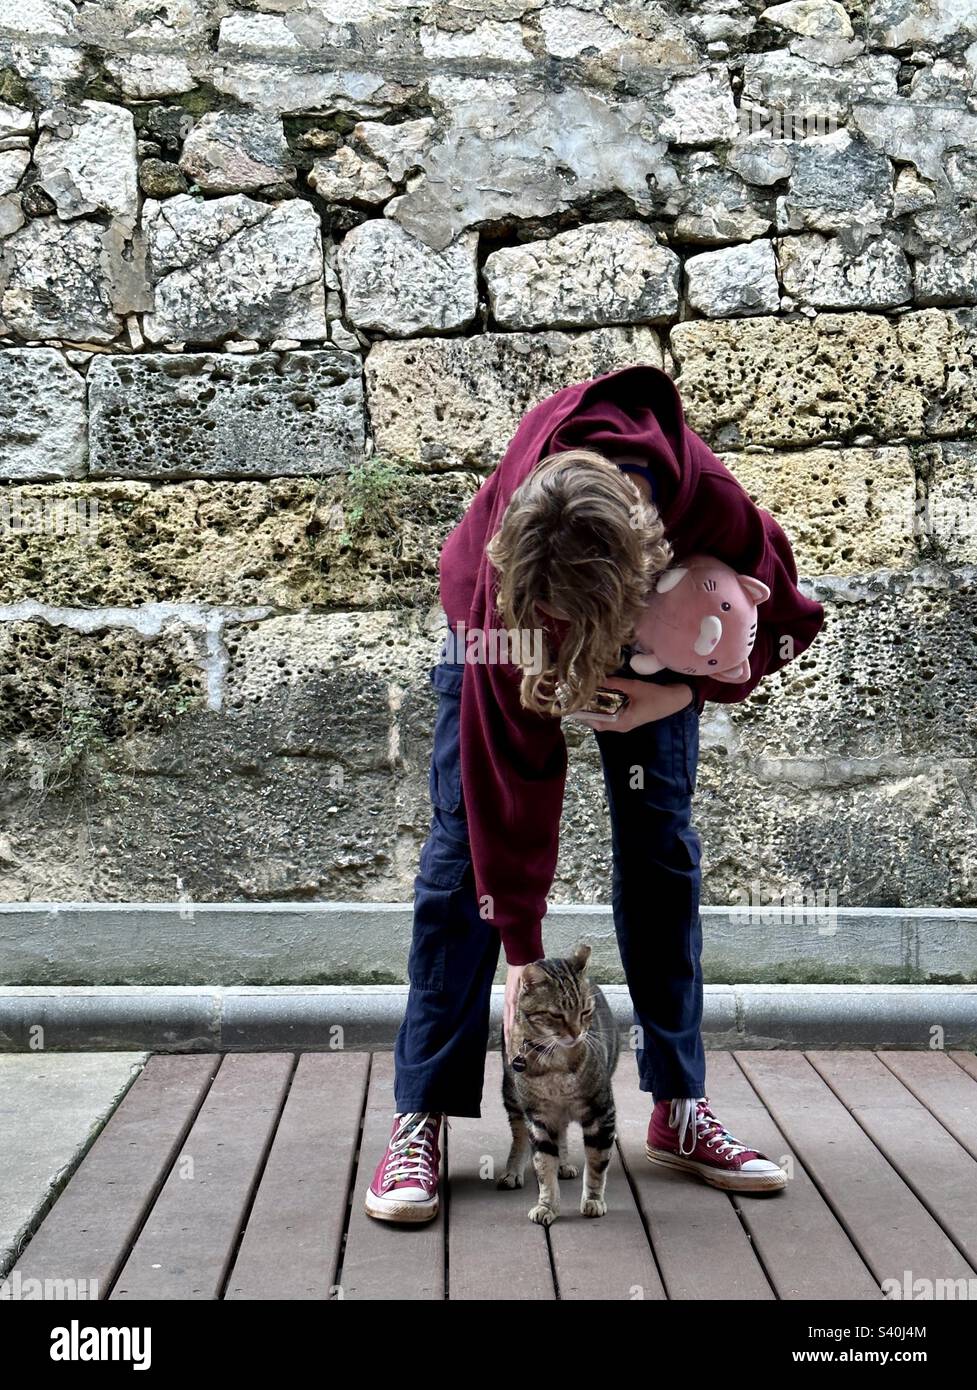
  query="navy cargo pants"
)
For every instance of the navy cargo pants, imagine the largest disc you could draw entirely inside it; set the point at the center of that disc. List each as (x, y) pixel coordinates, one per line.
(649, 775)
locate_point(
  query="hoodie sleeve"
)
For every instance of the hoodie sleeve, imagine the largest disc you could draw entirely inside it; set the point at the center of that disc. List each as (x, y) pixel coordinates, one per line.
(513, 771)
(729, 525)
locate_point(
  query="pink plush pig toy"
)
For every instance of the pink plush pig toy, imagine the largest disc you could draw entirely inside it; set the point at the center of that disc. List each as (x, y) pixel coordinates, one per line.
(701, 620)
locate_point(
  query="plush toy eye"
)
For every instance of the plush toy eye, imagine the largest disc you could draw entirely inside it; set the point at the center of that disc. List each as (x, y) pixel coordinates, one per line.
(713, 661)
(725, 607)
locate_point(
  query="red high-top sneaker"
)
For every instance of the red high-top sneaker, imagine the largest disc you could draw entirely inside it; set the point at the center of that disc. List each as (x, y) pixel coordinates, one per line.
(405, 1184)
(686, 1134)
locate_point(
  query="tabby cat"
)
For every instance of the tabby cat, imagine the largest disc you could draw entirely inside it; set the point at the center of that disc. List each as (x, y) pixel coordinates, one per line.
(565, 1047)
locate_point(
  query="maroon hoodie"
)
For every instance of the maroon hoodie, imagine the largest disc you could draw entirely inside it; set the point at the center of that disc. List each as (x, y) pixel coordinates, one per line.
(513, 762)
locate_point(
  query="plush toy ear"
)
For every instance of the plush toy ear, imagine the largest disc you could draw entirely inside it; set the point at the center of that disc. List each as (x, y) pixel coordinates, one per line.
(756, 588)
(735, 675)
(669, 579)
(646, 663)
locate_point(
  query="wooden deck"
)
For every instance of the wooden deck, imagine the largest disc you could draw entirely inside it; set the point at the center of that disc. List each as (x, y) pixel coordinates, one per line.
(242, 1177)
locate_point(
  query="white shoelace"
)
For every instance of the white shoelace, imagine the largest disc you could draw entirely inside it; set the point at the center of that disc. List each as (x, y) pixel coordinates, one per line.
(684, 1115)
(410, 1151)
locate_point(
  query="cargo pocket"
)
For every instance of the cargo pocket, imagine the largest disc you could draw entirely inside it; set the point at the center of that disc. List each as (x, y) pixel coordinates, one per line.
(445, 775)
(425, 962)
(689, 848)
(684, 734)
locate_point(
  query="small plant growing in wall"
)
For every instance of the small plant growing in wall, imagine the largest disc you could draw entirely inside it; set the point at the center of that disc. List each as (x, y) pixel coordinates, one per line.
(69, 760)
(370, 494)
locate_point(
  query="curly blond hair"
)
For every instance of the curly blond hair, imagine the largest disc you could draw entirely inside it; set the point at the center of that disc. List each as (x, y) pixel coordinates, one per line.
(579, 536)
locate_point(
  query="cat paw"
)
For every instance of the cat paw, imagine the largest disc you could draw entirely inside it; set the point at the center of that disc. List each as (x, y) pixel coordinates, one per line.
(568, 1170)
(510, 1179)
(593, 1206)
(542, 1215)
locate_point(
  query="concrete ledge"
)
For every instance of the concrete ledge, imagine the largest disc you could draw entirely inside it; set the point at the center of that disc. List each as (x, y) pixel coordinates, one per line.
(367, 943)
(324, 1017)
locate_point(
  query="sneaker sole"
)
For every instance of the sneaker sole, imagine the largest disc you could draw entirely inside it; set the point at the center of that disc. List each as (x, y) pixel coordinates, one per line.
(407, 1213)
(729, 1182)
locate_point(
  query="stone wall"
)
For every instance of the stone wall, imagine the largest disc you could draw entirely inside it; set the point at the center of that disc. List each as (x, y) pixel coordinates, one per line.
(277, 280)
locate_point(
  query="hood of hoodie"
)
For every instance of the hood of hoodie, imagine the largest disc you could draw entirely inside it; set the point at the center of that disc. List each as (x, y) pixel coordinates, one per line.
(633, 410)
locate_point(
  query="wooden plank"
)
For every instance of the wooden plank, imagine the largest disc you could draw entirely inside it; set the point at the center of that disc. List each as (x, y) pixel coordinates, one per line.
(947, 1091)
(291, 1244)
(186, 1246)
(967, 1061)
(804, 1250)
(700, 1245)
(384, 1259)
(929, 1160)
(494, 1250)
(88, 1232)
(884, 1220)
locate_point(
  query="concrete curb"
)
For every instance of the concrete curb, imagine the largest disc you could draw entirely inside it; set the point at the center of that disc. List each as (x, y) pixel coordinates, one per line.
(324, 1017)
(367, 943)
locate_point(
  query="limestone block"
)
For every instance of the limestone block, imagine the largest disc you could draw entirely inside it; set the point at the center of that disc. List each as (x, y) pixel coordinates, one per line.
(58, 280)
(395, 283)
(456, 402)
(820, 29)
(856, 837)
(86, 158)
(236, 152)
(216, 415)
(506, 153)
(790, 84)
(947, 277)
(838, 184)
(951, 503)
(64, 686)
(920, 23)
(846, 511)
(141, 76)
(699, 110)
(12, 166)
(889, 677)
(609, 272)
(717, 205)
(738, 280)
(920, 133)
(761, 159)
(777, 382)
(399, 145)
(261, 264)
(289, 543)
(627, 39)
(349, 177)
(44, 433)
(822, 272)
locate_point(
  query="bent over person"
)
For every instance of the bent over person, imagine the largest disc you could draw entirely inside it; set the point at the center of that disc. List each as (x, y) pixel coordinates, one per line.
(603, 486)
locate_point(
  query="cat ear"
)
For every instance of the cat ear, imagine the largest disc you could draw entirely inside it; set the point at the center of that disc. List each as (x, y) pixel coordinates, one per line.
(580, 958)
(532, 976)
